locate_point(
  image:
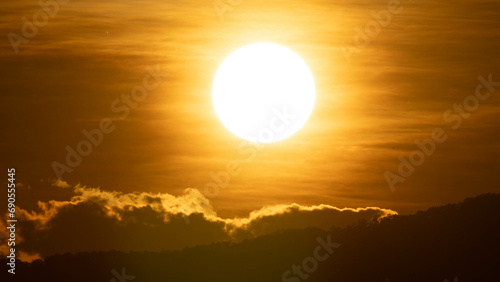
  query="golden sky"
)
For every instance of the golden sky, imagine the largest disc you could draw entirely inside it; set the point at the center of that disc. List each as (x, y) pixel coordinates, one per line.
(372, 102)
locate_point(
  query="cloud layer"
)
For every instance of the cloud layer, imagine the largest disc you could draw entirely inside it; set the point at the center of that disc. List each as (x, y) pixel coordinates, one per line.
(97, 220)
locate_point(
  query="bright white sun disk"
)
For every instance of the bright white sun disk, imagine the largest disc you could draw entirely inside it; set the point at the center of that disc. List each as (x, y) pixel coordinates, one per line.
(263, 92)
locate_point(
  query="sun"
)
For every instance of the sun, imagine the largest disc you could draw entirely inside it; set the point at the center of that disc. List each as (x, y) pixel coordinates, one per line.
(263, 92)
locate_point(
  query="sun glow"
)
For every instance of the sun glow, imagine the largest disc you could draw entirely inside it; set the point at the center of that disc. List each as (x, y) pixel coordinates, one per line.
(263, 92)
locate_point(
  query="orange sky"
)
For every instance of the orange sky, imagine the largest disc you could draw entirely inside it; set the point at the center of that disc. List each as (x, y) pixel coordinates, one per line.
(370, 107)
